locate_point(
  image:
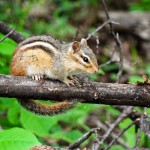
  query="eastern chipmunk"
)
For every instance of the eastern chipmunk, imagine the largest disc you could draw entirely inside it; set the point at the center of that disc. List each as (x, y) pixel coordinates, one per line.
(40, 56)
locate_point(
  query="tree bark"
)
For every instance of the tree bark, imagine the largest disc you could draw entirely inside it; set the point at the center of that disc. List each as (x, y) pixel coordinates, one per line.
(87, 92)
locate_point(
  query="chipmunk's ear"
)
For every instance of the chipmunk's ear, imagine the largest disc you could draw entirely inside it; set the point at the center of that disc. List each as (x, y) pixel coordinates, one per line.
(76, 46)
(83, 41)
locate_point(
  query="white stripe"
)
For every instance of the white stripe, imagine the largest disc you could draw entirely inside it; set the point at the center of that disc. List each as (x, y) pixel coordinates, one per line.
(49, 46)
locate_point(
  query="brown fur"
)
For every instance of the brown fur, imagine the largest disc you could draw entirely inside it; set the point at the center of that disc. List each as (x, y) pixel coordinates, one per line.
(24, 58)
(43, 109)
(20, 61)
(56, 63)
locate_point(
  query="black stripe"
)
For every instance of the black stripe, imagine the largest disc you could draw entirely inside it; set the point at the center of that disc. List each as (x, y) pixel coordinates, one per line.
(46, 49)
(47, 39)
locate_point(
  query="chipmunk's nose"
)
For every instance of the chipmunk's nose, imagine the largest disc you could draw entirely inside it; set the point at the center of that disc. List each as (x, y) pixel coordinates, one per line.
(96, 70)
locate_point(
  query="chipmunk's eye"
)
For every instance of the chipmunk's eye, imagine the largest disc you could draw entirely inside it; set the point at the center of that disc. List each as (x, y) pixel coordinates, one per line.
(85, 59)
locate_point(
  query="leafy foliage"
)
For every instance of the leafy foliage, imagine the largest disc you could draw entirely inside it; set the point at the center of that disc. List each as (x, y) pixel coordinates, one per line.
(143, 5)
(17, 139)
(46, 126)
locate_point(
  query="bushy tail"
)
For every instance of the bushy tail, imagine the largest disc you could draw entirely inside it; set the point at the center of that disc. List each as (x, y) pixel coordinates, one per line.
(42, 109)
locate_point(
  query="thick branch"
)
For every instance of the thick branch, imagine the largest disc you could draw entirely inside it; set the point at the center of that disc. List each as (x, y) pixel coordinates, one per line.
(90, 92)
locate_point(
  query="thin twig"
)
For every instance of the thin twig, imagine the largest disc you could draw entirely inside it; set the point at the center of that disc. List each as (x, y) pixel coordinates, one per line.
(124, 114)
(133, 116)
(45, 147)
(107, 63)
(121, 59)
(82, 139)
(97, 42)
(76, 34)
(111, 59)
(121, 133)
(113, 135)
(117, 40)
(7, 35)
(138, 138)
(101, 27)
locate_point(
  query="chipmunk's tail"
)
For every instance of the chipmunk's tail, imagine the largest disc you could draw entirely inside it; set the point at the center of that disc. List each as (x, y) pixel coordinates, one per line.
(43, 109)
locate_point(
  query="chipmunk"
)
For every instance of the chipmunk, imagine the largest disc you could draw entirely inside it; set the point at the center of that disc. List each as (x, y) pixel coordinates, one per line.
(45, 56)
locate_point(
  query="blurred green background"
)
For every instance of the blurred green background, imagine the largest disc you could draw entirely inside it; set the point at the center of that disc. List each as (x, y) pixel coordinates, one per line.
(62, 19)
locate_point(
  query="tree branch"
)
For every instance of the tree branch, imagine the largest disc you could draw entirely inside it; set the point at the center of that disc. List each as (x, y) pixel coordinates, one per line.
(5, 29)
(90, 92)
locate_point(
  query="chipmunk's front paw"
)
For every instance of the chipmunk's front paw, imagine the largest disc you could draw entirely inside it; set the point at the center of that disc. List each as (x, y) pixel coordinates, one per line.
(75, 80)
(71, 81)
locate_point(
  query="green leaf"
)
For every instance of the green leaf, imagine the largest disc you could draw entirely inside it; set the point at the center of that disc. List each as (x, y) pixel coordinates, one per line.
(147, 69)
(94, 77)
(146, 142)
(113, 76)
(129, 133)
(70, 136)
(100, 71)
(114, 112)
(39, 125)
(134, 54)
(73, 135)
(17, 139)
(116, 147)
(110, 67)
(77, 115)
(7, 47)
(7, 103)
(135, 78)
(13, 113)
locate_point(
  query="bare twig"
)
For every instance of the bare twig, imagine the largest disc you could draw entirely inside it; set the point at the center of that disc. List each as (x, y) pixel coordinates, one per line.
(113, 135)
(97, 42)
(121, 58)
(45, 147)
(7, 35)
(124, 114)
(76, 34)
(117, 40)
(133, 116)
(82, 139)
(139, 135)
(100, 27)
(110, 61)
(121, 133)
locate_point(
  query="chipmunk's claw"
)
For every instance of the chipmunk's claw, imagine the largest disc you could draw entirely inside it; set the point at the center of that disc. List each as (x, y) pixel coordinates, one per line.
(37, 77)
(72, 81)
(69, 82)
